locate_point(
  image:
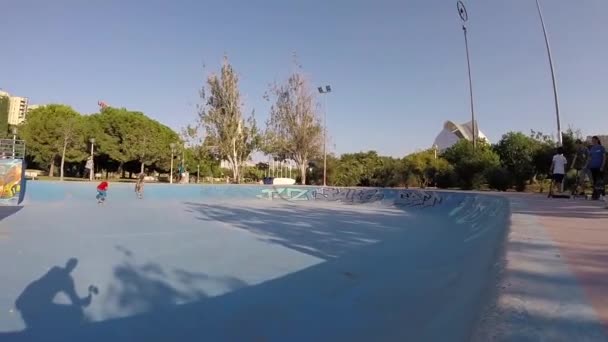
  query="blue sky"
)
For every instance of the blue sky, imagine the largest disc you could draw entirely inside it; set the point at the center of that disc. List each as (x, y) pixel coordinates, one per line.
(397, 68)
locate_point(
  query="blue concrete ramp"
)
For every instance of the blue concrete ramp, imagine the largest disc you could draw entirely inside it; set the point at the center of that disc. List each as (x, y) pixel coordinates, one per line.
(247, 263)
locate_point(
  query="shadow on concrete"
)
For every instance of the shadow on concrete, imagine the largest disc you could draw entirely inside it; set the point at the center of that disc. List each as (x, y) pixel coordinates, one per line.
(387, 278)
(539, 299)
(38, 310)
(6, 211)
(314, 230)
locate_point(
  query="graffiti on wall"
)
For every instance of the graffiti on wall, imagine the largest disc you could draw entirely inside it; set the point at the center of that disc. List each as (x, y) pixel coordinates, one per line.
(418, 198)
(410, 198)
(347, 195)
(10, 181)
(292, 194)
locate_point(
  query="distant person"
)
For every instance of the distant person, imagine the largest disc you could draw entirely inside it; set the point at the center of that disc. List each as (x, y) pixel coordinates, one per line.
(580, 164)
(558, 168)
(102, 192)
(597, 164)
(36, 304)
(88, 167)
(139, 185)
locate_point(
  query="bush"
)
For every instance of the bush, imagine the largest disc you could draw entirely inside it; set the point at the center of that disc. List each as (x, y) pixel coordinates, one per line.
(471, 164)
(499, 178)
(446, 179)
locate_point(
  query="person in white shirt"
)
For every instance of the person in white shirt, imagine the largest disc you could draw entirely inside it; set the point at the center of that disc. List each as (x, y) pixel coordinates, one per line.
(558, 168)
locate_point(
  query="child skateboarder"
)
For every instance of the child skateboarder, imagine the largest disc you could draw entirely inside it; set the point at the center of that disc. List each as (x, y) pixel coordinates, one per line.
(102, 192)
(139, 186)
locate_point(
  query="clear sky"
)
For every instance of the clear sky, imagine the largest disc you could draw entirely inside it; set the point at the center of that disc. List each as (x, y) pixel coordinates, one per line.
(397, 68)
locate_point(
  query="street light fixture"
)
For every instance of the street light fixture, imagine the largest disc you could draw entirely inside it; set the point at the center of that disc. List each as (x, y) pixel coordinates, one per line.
(555, 97)
(172, 146)
(464, 16)
(92, 170)
(325, 91)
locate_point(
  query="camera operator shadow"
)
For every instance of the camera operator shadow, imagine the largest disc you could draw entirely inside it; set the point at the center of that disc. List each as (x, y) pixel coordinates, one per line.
(36, 305)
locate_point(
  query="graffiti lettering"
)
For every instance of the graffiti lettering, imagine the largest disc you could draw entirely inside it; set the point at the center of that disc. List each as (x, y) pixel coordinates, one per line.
(417, 198)
(293, 194)
(409, 198)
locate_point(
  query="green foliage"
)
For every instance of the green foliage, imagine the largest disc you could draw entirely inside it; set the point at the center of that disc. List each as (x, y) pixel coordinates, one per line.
(470, 164)
(293, 130)
(517, 152)
(54, 132)
(231, 137)
(4, 107)
(126, 136)
(499, 178)
(425, 166)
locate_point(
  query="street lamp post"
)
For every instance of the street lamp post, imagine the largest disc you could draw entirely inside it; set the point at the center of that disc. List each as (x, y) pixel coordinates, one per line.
(14, 131)
(325, 91)
(462, 11)
(92, 170)
(172, 146)
(555, 97)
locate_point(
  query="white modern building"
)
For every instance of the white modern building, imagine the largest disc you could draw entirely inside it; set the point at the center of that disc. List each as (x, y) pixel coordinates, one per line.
(453, 132)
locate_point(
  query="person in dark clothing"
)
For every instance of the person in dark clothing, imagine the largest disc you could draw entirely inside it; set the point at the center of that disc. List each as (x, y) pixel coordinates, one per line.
(597, 164)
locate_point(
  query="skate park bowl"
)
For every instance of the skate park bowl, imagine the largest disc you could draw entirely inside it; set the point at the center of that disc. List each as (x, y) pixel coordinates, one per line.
(247, 263)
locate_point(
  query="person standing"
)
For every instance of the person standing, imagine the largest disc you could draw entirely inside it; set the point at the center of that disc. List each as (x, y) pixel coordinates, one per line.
(579, 163)
(558, 169)
(88, 167)
(597, 164)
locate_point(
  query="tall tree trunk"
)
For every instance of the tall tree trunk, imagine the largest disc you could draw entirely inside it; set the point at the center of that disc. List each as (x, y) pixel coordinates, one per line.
(52, 167)
(303, 173)
(142, 168)
(65, 146)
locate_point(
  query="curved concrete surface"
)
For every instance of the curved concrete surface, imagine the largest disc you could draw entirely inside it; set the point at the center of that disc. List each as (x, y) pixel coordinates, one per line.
(247, 263)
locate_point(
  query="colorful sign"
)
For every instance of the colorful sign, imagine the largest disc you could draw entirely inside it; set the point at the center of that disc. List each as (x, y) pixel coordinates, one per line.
(11, 181)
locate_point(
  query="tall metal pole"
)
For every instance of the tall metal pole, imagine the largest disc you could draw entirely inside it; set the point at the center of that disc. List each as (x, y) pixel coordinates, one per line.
(462, 11)
(92, 170)
(325, 92)
(542, 22)
(15, 141)
(474, 124)
(325, 142)
(172, 147)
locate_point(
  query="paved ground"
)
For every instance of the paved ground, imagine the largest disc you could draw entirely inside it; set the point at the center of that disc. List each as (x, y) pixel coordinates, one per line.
(554, 277)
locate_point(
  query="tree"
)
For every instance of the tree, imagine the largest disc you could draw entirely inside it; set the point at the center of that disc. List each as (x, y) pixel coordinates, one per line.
(469, 163)
(425, 167)
(516, 152)
(231, 137)
(54, 132)
(4, 107)
(128, 136)
(293, 130)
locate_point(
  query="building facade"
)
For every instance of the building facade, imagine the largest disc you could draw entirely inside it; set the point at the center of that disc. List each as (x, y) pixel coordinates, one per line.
(17, 110)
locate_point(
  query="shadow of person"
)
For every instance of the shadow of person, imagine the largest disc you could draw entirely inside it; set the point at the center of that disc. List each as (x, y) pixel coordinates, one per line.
(36, 306)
